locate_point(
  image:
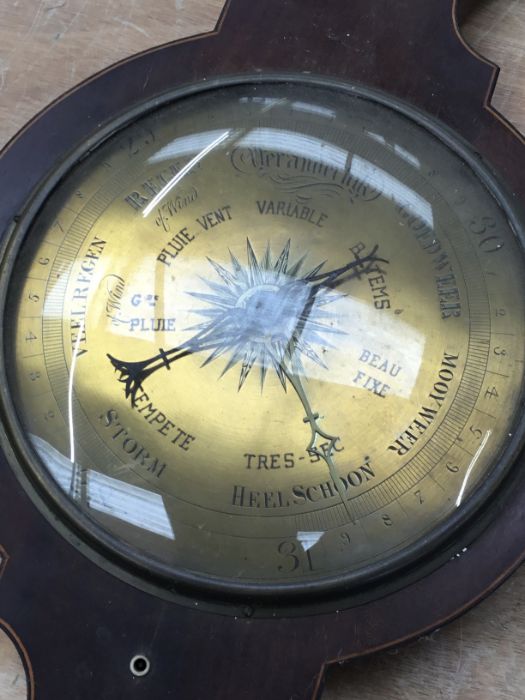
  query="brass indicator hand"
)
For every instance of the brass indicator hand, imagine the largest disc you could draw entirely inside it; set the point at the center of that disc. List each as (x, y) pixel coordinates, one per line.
(133, 374)
(317, 432)
(264, 314)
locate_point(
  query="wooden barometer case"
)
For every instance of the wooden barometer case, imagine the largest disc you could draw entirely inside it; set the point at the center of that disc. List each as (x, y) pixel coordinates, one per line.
(262, 360)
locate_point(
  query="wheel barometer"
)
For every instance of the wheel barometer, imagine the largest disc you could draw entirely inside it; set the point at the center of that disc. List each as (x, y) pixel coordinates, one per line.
(263, 358)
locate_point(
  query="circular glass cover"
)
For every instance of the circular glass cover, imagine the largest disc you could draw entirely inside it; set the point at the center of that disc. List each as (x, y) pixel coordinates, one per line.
(269, 336)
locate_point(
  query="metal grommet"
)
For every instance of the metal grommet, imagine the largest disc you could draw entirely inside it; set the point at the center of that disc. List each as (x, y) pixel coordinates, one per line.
(139, 665)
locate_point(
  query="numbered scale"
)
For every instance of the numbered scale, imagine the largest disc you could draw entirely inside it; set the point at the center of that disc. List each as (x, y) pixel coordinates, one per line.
(263, 370)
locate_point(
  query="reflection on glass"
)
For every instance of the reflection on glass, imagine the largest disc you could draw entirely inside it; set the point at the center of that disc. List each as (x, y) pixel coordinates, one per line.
(136, 506)
(261, 337)
(186, 169)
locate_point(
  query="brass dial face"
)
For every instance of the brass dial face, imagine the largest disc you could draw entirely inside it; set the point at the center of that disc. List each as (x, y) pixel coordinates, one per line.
(269, 335)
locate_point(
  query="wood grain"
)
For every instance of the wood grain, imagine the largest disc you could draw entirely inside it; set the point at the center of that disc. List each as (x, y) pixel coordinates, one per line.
(478, 657)
(13, 682)
(496, 29)
(46, 47)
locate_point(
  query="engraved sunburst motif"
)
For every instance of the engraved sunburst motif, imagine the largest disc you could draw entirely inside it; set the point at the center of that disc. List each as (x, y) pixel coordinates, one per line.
(268, 314)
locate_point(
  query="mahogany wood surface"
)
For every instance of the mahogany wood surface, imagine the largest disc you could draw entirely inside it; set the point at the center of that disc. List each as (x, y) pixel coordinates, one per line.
(47, 47)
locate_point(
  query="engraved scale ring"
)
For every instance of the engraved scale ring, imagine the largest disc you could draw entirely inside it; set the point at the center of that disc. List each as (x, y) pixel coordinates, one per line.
(269, 335)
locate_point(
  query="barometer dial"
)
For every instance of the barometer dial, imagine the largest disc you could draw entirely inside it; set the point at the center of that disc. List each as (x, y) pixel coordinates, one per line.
(269, 337)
